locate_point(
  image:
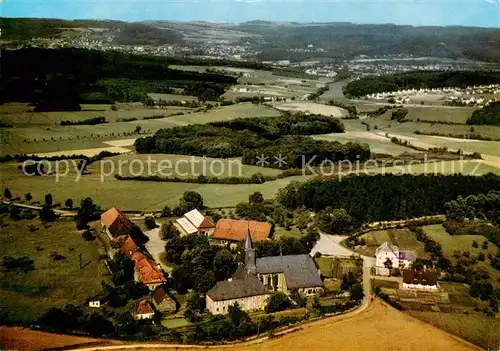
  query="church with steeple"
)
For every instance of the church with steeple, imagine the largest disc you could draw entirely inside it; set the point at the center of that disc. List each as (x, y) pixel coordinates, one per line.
(254, 281)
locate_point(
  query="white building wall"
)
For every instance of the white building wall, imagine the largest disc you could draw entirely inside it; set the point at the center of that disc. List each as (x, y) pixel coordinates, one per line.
(246, 304)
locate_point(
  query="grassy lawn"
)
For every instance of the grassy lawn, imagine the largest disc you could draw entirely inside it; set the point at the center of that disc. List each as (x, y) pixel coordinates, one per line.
(184, 166)
(173, 323)
(450, 243)
(294, 232)
(25, 296)
(458, 294)
(475, 327)
(34, 127)
(325, 266)
(402, 238)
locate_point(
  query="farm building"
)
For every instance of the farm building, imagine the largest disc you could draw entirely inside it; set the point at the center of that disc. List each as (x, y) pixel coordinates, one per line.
(195, 222)
(163, 302)
(231, 231)
(115, 223)
(425, 279)
(386, 253)
(144, 310)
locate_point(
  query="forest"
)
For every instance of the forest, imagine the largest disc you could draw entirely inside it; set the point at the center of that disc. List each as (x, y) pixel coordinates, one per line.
(249, 137)
(386, 197)
(488, 115)
(62, 76)
(417, 80)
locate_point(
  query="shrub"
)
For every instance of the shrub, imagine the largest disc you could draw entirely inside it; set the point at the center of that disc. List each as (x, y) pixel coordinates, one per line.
(279, 301)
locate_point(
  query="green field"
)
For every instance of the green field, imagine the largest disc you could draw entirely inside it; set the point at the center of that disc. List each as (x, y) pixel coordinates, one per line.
(475, 327)
(28, 137)
(402, 238)
(181, 166)
(25, 296)
(132, 195)
(462, 243)
(294, 232)
(325, 266)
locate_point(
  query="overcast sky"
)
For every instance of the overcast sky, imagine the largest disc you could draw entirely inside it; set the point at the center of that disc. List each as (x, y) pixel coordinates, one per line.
(483, 13)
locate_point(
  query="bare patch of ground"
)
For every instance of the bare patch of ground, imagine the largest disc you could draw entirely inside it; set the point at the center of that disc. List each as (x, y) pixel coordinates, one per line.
(312, 108)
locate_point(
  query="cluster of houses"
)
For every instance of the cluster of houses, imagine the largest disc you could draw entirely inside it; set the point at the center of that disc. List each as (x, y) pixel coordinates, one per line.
(126, 237)
(455, 96)
(390, 257)
(250, 286)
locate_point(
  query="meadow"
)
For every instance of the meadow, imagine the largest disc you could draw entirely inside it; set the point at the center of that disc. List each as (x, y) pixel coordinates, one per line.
(53, 283)
(402, 238)
(474, 327)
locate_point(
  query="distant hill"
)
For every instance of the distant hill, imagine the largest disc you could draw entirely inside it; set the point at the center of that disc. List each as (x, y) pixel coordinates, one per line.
(339, 40)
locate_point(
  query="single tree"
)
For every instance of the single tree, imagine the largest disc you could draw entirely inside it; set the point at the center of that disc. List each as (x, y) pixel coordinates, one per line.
(88, 210)
(28, 197)
(48, 200)
(388, 263)
(279, 301)
(7, 194)
(69, 204)
(356, 292)
(138, 130)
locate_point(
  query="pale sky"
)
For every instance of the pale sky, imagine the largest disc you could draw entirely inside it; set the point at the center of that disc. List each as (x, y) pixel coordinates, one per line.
(482, 13)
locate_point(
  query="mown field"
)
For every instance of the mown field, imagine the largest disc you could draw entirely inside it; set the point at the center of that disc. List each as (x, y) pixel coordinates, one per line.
(29, 138)
(475, 327)
(53, 283)
(133, 195)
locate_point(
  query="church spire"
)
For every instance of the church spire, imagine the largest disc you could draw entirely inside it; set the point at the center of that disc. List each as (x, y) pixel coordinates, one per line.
(248, 241)
(250, 261)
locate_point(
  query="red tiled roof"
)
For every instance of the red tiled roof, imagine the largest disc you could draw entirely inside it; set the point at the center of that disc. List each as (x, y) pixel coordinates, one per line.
(146, 270)
(207, 223)
(119, 224)
(236, 230)
(144, 307)
(128, 247)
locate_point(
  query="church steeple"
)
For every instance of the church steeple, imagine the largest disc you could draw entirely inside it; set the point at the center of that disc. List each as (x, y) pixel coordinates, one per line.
(250, 255)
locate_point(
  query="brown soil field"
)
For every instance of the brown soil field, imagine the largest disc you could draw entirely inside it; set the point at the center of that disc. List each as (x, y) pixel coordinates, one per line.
(379, 327)
(30, 340)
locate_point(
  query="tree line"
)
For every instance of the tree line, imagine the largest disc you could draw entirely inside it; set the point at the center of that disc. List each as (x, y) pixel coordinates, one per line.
(248, 137)
(386, 197)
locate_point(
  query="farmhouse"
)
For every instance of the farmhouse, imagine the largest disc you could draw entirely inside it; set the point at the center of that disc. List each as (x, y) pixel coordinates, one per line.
(389, 256)
(425, 279)
(146, 271)
(163, 302)
(115, 223)
(144, 310)
(231, 231)
(195, 222)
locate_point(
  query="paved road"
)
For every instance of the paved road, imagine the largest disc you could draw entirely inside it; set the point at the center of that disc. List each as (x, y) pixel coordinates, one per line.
(330, 245)
(156, 247)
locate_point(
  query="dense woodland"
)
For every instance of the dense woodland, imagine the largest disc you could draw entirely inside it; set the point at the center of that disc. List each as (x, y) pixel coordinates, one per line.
(416, 80)
(386, 197)
(249, 137)
(62, 79)
(488, 115)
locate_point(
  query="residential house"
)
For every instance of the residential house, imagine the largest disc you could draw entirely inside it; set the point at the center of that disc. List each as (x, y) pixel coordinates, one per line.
(195, 222)
(386, 253)
(145, 310)
(163, 302)
(98, 300)
(231, 231)
(424, 279)
(115, 223)
(146, 271)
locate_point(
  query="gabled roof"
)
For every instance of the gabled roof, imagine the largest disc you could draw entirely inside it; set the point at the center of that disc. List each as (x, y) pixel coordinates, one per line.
(387, 247)
(237, 288)
(187, 225)
(236, 230)
(146, 270)
(299, 270)
(198, 219)
(144, 307)
(128, 247)
(160, 295)
(119, 224)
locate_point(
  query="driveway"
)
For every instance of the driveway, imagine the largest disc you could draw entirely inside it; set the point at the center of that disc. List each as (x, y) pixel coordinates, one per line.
(330, 245)
(156, 247)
